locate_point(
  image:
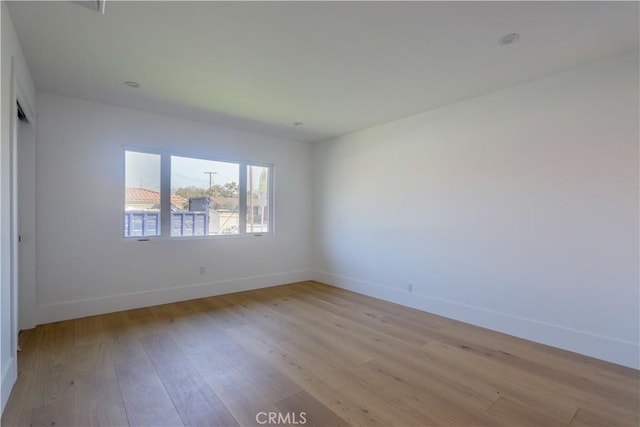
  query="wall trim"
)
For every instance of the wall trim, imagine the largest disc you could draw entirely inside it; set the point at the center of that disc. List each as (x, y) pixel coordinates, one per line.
(9, 377)
(601, 347)
(109, 304)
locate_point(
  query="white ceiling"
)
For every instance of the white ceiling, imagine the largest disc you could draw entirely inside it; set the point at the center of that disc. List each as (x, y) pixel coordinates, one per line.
(336, 66)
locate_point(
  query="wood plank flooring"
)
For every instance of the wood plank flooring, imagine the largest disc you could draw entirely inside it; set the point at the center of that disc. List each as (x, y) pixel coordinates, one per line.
(311, 353)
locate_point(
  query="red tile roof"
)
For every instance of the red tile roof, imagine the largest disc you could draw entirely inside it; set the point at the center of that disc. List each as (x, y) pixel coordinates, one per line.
(136, 195)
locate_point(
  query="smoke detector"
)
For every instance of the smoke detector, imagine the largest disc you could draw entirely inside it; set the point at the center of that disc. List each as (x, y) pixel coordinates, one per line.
(509, 38)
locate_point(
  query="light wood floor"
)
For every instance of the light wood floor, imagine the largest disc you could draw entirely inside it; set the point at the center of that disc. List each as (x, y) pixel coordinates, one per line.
(339, 357)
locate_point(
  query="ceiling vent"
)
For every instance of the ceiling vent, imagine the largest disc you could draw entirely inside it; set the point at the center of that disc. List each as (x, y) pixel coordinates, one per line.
(97, 5)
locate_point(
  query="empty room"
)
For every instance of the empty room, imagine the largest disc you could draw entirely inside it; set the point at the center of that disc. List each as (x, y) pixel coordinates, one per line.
(320, 213)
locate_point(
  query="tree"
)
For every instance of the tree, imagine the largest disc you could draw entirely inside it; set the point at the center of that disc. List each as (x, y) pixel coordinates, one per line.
(187, 193)
(228, 190)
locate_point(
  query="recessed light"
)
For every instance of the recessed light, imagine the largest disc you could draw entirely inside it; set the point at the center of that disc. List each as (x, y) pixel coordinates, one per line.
(298, 123)
(132, 84)
(509, 38)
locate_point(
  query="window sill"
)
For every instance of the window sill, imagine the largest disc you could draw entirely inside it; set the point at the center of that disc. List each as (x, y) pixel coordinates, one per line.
(191, 238)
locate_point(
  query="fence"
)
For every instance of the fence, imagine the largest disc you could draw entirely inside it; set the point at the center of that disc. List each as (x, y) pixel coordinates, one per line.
(146, 223)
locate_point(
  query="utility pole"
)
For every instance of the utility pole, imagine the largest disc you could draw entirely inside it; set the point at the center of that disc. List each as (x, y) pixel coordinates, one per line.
(210, 177)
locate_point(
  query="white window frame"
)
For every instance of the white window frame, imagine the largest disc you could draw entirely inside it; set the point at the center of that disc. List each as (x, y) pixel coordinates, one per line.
(165, 195)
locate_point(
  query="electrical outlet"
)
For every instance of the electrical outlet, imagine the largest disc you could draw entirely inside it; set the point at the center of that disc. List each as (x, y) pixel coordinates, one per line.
(203, 270)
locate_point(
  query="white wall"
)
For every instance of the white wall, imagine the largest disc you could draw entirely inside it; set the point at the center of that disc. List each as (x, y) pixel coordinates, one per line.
(15, 83)
(516, 211)
(85, 266)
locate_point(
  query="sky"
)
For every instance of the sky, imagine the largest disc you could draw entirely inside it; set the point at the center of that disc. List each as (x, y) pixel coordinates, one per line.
(143, 170)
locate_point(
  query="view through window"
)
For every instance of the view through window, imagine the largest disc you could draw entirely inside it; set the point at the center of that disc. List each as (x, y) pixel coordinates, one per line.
(209, 194)
(257, 199)
(142, 194)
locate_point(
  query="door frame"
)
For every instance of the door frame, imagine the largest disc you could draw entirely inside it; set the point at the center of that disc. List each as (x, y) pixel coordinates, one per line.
(18, 97)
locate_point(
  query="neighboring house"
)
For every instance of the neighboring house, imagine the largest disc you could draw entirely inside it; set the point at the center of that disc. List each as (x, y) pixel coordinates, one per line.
(225, 203)
(136, 198)
(232, 203)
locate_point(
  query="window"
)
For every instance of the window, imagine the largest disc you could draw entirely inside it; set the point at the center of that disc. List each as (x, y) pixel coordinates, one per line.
(142, 194)
(180, 196)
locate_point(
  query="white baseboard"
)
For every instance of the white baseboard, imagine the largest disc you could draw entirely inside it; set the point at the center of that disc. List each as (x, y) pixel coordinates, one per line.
(601, 347)
(9, 377)
(94, 306)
